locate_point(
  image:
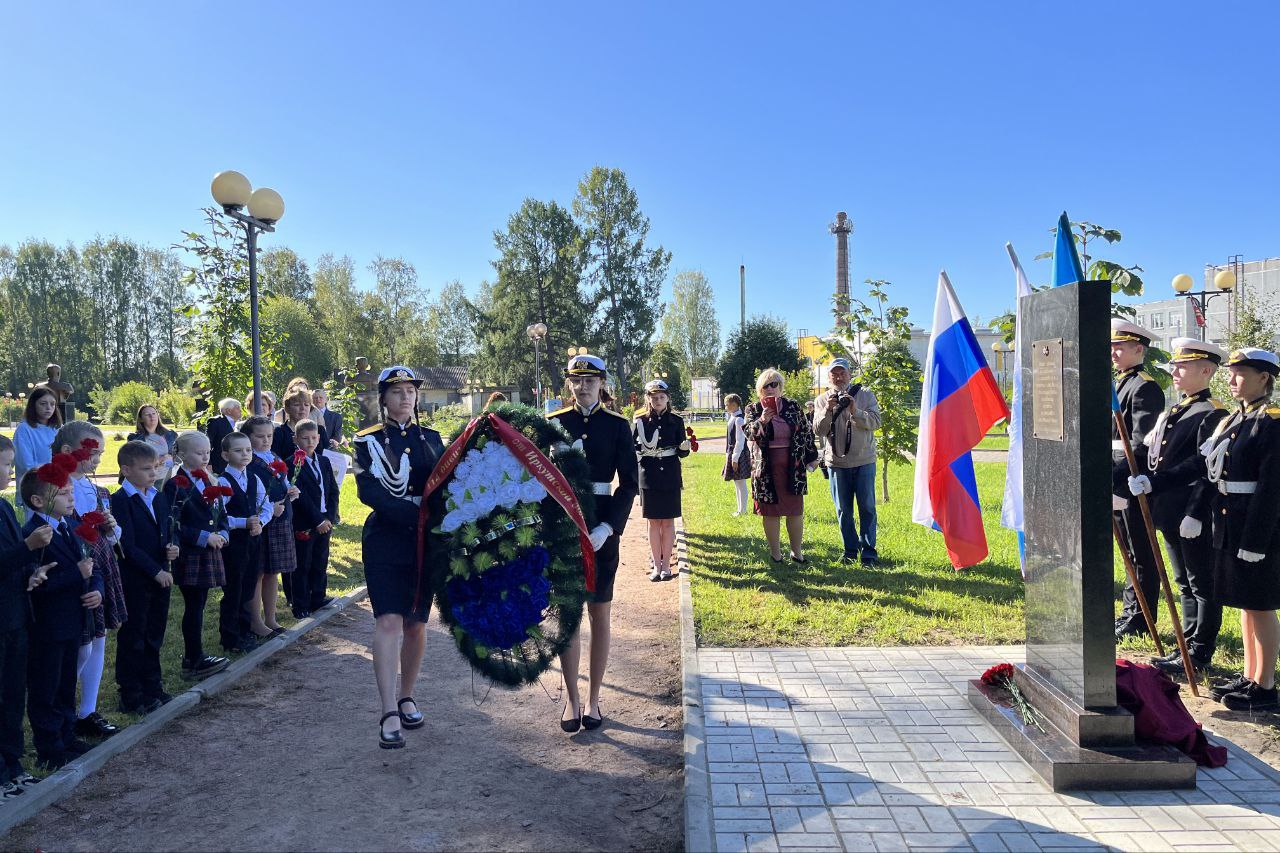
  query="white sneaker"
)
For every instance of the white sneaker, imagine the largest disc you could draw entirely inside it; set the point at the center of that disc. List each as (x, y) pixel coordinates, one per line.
(25, 780)
(654, 574)
(8, 791)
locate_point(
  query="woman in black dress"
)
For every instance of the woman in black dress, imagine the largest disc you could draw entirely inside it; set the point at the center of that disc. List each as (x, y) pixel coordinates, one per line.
(393, 461)
(1243, 458)
(661, 444)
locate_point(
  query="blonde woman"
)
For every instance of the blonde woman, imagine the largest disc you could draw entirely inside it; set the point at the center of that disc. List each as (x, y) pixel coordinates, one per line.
(782, 455)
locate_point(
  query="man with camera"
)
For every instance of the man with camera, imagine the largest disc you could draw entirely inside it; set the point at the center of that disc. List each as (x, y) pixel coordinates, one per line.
(845, 420)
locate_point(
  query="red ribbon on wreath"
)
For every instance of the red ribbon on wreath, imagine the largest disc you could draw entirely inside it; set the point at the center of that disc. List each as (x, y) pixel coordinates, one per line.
(535, 462)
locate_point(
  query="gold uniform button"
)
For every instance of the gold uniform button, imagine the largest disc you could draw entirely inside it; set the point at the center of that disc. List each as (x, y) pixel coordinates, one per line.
(584, 435)
(402, 432)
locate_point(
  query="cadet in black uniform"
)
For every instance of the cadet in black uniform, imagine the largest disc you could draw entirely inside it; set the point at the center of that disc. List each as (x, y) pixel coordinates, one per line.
(1141, 402)
(1175, 482)
(661, 443)
(607, 443)
(1243, 461)
(393, 461)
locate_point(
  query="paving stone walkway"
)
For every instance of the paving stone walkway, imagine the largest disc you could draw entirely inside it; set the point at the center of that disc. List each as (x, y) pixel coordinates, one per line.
(877, 749)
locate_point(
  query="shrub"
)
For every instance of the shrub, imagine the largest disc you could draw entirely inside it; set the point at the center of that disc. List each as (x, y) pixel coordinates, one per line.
(100, 402)
(448, 418)
(177, 406)
(11, 410)
(125, 400)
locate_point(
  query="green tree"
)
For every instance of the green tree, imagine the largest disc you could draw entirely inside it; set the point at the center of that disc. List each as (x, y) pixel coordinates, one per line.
(887, 369)
(215, 332)
(342, 310)
(689, 323)
(762, 342)
(298, 347)
(452, 320)
(667, 360)
(398, 303)
(627, 275)
(282, 273)
(540, 268)
(1123, 279)
(1257, 325)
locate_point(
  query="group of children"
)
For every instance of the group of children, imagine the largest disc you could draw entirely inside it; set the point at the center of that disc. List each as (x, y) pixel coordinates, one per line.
(88, 561)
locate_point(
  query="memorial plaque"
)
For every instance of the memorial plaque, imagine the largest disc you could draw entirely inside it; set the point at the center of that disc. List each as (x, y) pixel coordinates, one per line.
(1046, 387)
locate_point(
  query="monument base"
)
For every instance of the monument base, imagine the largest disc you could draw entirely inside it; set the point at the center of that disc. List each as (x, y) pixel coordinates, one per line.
(1067, 766)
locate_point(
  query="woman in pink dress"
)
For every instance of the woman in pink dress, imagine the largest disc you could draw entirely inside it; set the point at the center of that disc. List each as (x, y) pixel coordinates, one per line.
(782, 455)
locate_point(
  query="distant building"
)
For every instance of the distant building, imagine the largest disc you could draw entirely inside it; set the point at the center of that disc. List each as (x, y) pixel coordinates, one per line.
(1257, 281)
(1001, 362)
(444, 386)
(705, 393)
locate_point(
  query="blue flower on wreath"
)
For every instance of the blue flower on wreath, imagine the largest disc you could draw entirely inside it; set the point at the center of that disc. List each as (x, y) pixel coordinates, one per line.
(498, 606)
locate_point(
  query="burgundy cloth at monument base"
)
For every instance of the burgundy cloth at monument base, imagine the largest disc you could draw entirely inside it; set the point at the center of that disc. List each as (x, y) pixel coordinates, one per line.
(1159, 715)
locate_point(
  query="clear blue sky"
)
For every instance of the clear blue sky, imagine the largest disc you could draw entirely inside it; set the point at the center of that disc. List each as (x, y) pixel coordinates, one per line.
(415, 129)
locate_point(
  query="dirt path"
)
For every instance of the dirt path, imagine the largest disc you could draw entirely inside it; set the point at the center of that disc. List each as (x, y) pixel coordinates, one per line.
(289, 760)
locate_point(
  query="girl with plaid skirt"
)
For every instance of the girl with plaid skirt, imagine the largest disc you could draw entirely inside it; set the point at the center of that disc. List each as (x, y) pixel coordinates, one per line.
(279, 556)
(201, 534)
(84, 442)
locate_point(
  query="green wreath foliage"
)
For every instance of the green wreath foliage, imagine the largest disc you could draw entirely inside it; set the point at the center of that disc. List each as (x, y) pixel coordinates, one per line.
(461, 554)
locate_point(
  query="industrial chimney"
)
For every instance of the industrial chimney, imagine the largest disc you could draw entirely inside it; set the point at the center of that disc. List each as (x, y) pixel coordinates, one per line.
(842, 228)
(742, 294)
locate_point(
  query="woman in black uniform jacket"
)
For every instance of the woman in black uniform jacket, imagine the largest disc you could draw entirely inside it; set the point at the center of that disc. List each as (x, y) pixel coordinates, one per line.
(605, 438)
(393, 461)
(1243, 458)
(661, 443)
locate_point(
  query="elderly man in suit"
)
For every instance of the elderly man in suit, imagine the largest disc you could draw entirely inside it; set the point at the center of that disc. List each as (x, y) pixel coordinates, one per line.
(332, 423)
(220, 426)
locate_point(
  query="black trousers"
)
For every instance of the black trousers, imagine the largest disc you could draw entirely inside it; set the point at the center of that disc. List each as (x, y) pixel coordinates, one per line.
(242, 581)
(1144, 565)
(13, 701)
(51, 694)
(1193, 573)
(194, 599)
(139, 639)
(310, 581)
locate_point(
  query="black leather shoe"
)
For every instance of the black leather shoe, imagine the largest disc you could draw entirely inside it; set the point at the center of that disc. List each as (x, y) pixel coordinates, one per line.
(871, 561)
(162, 697)
(76, 748)
(412, 720)
(95, 726)
(301, 614)
(1251, 698)
(324, 602)
(591, 723)
(137, 706)
(203, 668)
(1130, 630)
(571, 725)
(395, 740)
(1234, 685)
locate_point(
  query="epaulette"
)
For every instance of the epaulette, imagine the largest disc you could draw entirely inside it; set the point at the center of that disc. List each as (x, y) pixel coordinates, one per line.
(1217, 404)
(560, 412)
(1145, 377)
(609, 411)
(370, 430)
(1273, 411)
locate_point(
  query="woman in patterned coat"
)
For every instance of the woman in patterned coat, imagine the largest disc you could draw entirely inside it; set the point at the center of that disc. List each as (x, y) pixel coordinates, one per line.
(782, 455)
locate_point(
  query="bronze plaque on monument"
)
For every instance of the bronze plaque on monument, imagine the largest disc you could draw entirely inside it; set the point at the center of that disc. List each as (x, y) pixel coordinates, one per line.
(1046, 390)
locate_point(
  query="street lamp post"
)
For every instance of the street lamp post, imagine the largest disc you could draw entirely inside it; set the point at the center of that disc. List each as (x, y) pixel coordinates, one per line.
(536, 332)
(233, 191)
(1224, 281)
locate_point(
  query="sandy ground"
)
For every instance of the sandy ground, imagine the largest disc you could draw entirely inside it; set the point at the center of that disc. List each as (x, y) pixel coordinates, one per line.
(288, 760)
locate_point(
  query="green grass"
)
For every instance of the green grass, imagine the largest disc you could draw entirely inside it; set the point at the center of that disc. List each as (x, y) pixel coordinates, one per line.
(708, 429)
(994, 441)
(741, 598)
(346, 574)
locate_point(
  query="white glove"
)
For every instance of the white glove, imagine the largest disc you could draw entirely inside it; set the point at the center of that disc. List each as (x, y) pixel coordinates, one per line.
(684, 445)
(1140, 485)
(599, 535)
(1249, 556)
(1118, 503)
(1190, 528)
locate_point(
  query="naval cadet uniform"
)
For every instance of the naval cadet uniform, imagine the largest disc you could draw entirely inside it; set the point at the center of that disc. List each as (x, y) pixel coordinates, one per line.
(1176, 482)
(392, 463)
(661, 442)
(1141, 402)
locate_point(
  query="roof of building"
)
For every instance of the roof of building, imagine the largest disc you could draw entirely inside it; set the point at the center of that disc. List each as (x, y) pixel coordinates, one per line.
(442, 377)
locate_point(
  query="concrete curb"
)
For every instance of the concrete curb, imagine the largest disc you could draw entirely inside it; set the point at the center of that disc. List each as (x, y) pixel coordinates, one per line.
(697, 784)
(58, 786)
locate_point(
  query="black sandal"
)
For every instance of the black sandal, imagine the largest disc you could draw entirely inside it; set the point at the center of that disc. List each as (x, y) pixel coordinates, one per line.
(414, 720)
(395, 740)
(591, 723)
(570, 726)
(796, 559)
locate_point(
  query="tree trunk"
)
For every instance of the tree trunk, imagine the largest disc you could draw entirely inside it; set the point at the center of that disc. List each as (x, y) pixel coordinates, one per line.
(884, 476)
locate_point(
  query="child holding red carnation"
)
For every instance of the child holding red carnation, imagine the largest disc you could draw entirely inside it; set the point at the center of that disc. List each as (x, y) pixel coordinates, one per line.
(201, 537)
(248, 510)
(82, 442)
(59, 602)
(279, 558)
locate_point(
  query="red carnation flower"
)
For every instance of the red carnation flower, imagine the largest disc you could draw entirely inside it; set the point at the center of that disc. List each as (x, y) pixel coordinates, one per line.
(65, 462)
(87, 532)
(210, 496)
(201, 475)
(53, 475)
(181, 481)
(998, 674)
(80, 454)
(94, 518)
(278, 468)
(90, 444)
(224, 491)
(303, 536)
(299, 456)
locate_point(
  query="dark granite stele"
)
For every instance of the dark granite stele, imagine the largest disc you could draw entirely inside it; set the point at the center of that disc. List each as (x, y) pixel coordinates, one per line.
(1067, 766)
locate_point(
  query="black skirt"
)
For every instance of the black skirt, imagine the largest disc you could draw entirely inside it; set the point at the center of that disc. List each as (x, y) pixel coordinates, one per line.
(660, 503)
(1247, 586)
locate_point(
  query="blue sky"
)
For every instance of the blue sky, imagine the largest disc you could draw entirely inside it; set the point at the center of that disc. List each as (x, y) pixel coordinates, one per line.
(416, 129)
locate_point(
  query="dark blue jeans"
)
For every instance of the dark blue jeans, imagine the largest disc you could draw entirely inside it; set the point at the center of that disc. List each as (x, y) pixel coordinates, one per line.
(848, 485)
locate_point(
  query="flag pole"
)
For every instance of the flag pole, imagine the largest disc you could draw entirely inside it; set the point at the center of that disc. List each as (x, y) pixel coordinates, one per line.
(1129, 570)
(1187, 665)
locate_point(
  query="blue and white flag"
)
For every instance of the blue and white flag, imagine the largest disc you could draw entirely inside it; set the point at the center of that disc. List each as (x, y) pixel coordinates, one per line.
(1011, 511)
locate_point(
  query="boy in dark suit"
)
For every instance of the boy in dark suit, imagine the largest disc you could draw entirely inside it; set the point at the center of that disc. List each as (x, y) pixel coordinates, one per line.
(247, 512)
(143, 514)
(315, 512)
(17, 561)
(59, 602)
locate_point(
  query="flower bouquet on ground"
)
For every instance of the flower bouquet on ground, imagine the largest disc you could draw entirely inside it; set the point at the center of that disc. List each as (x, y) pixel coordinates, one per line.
(1001, 675)
(511, 564)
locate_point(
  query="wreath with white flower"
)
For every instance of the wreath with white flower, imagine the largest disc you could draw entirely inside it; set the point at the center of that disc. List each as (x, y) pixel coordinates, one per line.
(513, 587)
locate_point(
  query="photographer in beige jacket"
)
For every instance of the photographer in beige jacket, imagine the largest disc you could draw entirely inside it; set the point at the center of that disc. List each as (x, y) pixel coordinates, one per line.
(845, 420)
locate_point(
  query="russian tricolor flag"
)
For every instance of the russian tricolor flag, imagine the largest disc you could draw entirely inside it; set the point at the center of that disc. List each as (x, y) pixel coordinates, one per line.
(959, 403)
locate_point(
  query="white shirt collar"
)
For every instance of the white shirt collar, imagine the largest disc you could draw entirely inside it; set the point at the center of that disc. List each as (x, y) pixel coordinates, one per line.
(130, 489)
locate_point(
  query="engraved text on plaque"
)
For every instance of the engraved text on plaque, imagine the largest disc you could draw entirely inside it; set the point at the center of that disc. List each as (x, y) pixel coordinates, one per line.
(1046, 389)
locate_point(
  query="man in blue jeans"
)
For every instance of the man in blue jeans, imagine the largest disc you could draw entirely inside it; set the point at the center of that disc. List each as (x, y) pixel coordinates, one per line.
(845, 419)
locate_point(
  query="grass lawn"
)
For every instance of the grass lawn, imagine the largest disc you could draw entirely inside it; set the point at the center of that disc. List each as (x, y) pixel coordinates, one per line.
(115, 438)
(708, 429)
(994, 441)
(346, 573)
(741, 598)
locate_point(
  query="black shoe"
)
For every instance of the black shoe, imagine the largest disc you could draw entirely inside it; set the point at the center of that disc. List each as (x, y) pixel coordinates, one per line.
(412, 720)
(871, 560)
(796, 559)
(10, 791)
(777, 559)
(275, 632)
(95, 726)
(204, 667)
(1130, 630)
(571, 725)
(149, 705)
(76, 748)
(301, 614)
(591, 723)
(25, 780)
(1167, 656)
(1234, 685)
(1252, 698)
(395, 740)
(140, 707)
(324, 602)
(162, 697)
(849, 559)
